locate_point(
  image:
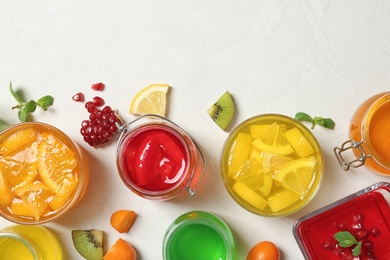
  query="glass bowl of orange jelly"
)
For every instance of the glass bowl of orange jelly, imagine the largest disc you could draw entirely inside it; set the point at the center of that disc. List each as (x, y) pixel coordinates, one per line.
(43, 173)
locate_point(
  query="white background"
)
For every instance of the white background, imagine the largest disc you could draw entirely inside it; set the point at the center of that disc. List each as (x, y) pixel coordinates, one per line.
(319, 57)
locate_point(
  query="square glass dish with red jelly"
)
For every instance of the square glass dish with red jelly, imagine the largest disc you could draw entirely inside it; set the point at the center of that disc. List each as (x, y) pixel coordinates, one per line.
(355, 227)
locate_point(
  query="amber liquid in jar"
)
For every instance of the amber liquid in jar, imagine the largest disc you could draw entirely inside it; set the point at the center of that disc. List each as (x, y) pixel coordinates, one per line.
(43, 173)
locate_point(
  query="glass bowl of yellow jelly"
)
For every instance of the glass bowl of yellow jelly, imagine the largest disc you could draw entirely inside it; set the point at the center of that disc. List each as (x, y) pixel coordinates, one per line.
(272, 165)
(29, 242)
(43, 173)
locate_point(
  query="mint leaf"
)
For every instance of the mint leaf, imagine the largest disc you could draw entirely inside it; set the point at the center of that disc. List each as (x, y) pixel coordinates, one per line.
(357, 250)
(45, 101)
(300, 116)
(14, 94)
(345, 238)
(26, 108)
(318, 120)
(329, 123)
(30, 106)
(22, 114)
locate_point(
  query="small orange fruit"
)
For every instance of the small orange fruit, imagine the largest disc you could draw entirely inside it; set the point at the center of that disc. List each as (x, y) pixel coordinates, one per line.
(121, 250)
(122, 220)
(264, 250)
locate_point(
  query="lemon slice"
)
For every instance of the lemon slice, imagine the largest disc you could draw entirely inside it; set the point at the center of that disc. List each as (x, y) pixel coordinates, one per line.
(282, 199)
(272, 162)
(249, 195)
(150, 100)
(273, 140)
(297, 175)
(239, 154)
(299, 142)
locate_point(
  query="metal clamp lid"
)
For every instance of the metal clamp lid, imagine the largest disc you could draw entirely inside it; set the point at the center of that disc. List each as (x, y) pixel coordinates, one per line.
(361, 155)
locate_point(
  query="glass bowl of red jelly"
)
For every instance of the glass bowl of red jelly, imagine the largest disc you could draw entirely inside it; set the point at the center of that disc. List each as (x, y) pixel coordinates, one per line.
(157, 159)
(355, 227)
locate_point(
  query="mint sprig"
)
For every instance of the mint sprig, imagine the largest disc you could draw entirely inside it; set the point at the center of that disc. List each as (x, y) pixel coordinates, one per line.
(27, 108)
(325, 122)
(346, 239)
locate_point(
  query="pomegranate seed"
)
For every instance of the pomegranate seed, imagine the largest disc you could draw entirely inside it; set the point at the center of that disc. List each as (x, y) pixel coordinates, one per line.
(357, 226)
(98, 86)
(368, 245)
(362, 234)
(346, 255)
(98, 101)
(98, 130)
(341, 226)
(329, 244)
(375, 232)
(358, 218)
(78, 97)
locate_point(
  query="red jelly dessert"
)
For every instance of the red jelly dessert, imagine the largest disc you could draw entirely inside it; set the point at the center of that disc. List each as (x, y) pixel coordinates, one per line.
(364, 215)
(155, 158)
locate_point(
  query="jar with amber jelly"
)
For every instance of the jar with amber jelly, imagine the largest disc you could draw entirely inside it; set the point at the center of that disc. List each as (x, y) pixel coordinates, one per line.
(43, 173)
(369, 135)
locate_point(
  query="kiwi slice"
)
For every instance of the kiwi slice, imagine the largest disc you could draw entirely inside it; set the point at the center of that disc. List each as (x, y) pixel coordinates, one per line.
(222, 111)
(89, 243)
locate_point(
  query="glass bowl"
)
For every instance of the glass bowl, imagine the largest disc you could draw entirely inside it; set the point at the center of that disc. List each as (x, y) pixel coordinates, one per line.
(272, 165)
(364, 214)
(43, 173)
(198, 235)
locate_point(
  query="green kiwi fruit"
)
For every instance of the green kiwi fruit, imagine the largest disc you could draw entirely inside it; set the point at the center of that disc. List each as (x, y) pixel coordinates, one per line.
(222, 111)
(89, 243)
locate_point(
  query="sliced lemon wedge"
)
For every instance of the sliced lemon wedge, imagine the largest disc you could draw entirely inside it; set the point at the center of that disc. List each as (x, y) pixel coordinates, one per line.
(273, 140)
(297, 175)
(150, 100)
(249, 195)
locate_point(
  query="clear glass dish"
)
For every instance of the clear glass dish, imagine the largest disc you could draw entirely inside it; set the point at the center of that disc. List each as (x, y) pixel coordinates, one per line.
(365, 210)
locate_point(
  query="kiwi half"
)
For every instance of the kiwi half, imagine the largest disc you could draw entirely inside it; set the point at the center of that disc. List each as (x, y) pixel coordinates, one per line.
(89, 243)
(222, 111)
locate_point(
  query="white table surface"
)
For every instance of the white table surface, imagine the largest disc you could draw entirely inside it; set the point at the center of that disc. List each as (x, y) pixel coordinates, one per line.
(319, 57)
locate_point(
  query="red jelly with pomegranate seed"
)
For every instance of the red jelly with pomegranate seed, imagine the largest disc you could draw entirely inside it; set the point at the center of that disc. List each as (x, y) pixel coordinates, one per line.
(365, 214)
(158, 161)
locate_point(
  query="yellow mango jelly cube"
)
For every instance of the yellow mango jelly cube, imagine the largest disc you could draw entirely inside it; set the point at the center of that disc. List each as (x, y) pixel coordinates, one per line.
(249, 195)
(239, 153)
(282, 199)
(299, 143)
(17, 141)
(6, 195)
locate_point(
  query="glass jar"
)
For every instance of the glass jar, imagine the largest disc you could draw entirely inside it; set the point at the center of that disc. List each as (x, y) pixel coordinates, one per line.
(369, 134)
(29, 242)
(198, 235)
(29, 193)
(157, 160)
